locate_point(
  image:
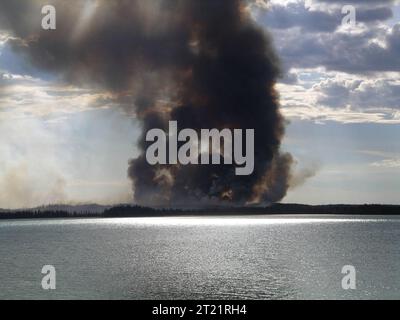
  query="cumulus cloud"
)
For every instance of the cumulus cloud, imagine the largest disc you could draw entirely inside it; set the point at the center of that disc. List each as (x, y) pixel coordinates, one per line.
(307, 19)
(380, 93)
(341, 97)
(359, 2)
(333, 73)
(371, 50)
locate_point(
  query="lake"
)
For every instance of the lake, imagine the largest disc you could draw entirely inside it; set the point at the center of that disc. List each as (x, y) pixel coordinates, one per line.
(255, 257)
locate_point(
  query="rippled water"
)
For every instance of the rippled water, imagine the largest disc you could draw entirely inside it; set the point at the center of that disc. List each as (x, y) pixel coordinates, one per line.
(201, 258)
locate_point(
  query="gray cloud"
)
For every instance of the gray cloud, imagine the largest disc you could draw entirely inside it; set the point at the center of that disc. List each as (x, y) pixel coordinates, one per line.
(311, 38)
(375, 14)
(297, 15)
(360, 53)
(358, 2)
(362, 94)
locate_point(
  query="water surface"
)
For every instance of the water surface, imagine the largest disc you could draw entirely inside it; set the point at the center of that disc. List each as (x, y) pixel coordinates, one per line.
(277, 257)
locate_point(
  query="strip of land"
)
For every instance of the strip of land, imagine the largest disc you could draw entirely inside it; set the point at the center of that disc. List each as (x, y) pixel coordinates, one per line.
(125, 211)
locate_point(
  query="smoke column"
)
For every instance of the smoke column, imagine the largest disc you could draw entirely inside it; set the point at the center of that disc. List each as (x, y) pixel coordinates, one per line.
(203, 63)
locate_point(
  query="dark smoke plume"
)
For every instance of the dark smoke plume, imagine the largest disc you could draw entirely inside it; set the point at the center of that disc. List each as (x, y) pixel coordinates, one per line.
(203, 63)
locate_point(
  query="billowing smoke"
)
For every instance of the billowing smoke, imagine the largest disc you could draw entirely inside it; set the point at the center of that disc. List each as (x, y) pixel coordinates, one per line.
(202, 63)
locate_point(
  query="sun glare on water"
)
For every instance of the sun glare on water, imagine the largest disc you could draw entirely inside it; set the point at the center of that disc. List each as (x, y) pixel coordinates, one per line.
(232, 221)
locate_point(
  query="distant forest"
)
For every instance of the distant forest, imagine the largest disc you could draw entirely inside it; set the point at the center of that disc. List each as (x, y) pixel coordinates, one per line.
(137, 211)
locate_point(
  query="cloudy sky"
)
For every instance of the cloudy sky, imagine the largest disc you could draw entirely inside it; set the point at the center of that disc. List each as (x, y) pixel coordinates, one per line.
(340, 94)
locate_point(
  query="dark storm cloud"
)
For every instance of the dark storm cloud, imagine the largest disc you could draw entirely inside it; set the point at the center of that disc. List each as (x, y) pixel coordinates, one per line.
(202, 63)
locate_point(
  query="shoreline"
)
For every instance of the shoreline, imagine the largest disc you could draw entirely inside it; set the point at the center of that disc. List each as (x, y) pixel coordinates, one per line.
(127, 211)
